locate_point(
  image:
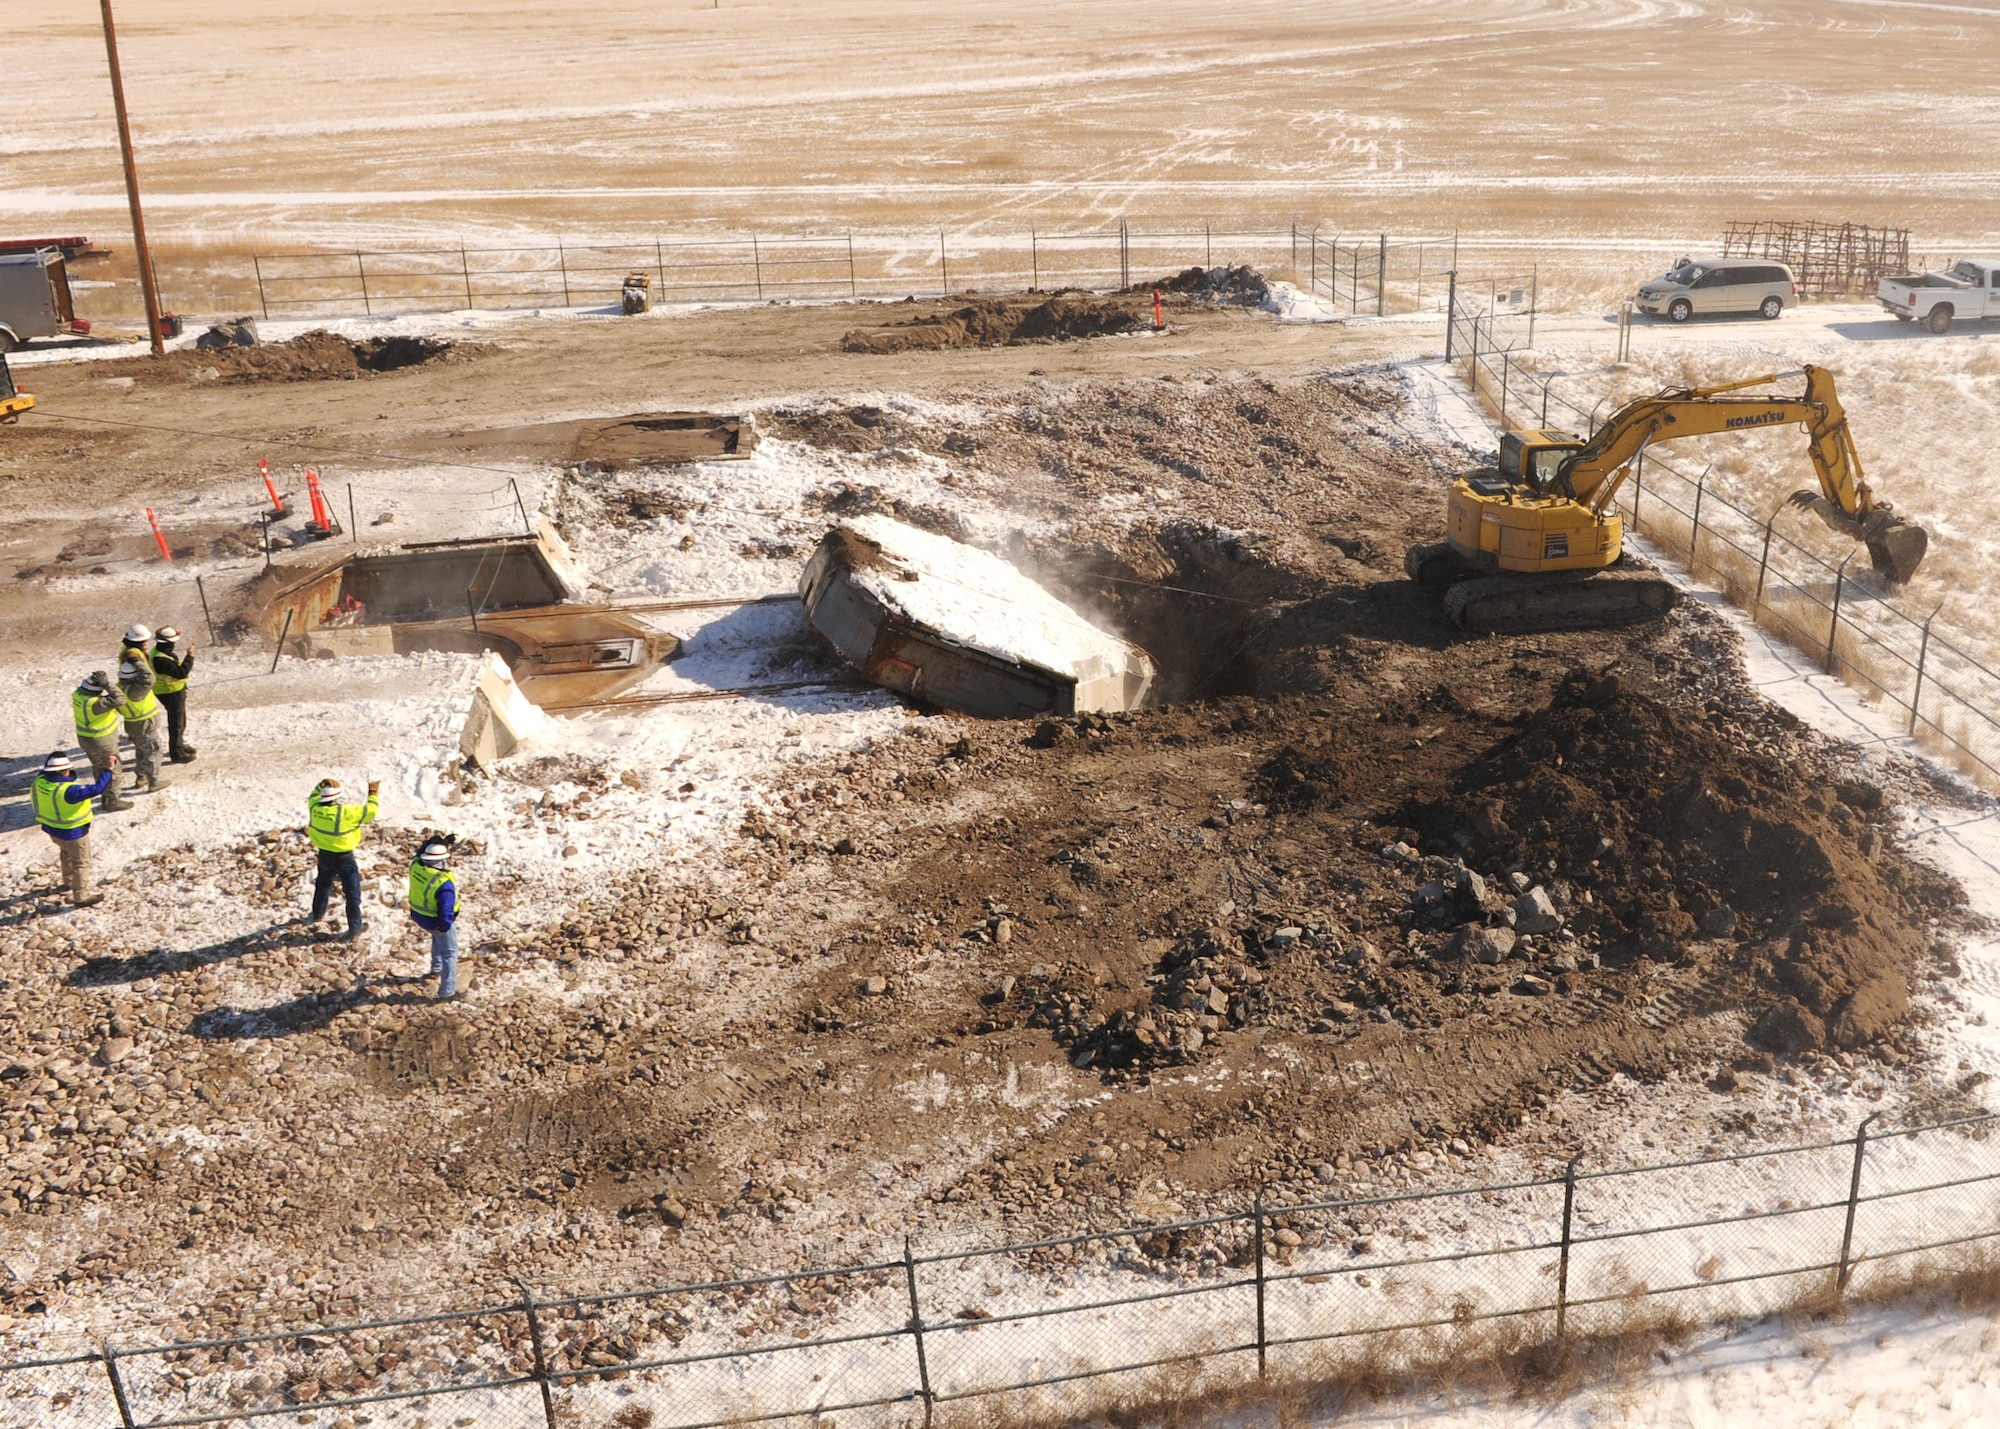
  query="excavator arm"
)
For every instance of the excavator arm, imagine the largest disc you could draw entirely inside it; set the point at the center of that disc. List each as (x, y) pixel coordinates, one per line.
(1594, 473)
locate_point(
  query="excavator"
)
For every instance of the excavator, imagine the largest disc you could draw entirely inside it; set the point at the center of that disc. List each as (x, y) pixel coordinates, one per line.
(1536, 544)
(13, 401)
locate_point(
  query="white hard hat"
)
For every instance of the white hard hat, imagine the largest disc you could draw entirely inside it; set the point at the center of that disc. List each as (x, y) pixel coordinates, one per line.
(434, 853)
(138, 635)
(97, 680)
(57, 763)
(129, 670)
(327, 788)
(167, 633)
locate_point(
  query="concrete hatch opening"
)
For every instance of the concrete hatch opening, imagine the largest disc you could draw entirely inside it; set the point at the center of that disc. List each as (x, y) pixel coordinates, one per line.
(512, 596)
(956, 626)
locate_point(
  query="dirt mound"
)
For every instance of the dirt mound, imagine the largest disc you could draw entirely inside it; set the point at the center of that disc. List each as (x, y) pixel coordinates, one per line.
(1693, 845)
(1232, 284)
(997, 322)
(316, 356)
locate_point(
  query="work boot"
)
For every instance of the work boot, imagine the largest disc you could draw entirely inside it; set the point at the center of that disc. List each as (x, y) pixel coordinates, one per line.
(181, 756)
(86, 900)
(116, 805)
(152, 787)
(354, 932)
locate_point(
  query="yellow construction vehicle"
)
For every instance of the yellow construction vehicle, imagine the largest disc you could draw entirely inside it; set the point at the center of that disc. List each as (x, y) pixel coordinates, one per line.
(1536, 545)
(13, 402)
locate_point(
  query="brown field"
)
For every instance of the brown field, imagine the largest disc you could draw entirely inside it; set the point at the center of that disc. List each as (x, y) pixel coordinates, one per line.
(1525, 123)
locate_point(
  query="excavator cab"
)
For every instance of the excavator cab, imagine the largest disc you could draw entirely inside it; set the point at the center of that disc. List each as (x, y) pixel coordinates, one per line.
(1534, 458)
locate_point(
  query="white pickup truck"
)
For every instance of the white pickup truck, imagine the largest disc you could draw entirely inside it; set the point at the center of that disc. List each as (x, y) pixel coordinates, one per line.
(1969, 289)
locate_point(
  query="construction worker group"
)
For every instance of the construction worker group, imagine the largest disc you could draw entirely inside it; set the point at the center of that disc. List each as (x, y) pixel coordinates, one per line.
(152, 681)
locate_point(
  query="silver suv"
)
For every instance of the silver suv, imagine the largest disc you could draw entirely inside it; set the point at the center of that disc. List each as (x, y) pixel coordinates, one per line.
(1701, 287)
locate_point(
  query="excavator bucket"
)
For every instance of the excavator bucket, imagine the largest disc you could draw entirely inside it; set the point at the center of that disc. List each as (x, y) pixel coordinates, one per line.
(1895, 546)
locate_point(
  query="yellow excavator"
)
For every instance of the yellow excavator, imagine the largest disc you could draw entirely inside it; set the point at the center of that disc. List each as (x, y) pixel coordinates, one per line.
(1536, 545)
(13, 402)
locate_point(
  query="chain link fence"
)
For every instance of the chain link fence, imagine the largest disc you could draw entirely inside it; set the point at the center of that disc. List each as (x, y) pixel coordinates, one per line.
(1380, 276)
(1777, 564)
(756, 268)
(1071, 1326)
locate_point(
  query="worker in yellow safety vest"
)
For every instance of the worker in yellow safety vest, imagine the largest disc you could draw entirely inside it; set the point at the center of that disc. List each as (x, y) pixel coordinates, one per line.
(95, 704)
(335, 830)
(140, 709)
(434, 907)
(173, 663)
(62, 808)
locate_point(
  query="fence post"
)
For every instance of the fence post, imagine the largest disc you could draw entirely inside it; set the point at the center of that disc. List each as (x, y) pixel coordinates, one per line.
(541, 1358)
(1923, 653)
(1534, 298)
(1312, 260)
(1420, 277)
(1550, 382)
(1833, 629)
(1034, 260)
(1764, 561)
(944, 268)
(279, 649)
(519, 505)
(917, 1329)
(757, 264)
(562, 262)
(660, 263)
(1694, 537)
(1562, 1263)
(1124, 255)
(1638, 484)
(202, 591)
(1257, 1215)
(258, 269)
(362, 269)
(1382, 271)
(353, 522)
(1450, 309)
(1207, 246)
(117, 1386)
(1853, 1201)
(465, 269)
(1506, 371)
(1295, 245)
(852, 290)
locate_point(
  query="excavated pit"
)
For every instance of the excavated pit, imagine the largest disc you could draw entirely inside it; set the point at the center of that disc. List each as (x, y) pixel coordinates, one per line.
(509, 595)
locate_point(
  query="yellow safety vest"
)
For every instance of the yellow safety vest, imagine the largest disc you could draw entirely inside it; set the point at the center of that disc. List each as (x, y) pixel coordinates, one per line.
(91, 723)
(336, 828)
(425, 884)
(142, 708)
(164, 683)
(53, 811)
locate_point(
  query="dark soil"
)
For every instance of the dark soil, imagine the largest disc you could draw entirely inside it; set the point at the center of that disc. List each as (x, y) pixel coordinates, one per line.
(315, 356)
(994, 322)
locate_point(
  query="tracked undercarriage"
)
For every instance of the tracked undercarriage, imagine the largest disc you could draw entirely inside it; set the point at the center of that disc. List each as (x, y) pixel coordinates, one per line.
(1559, 600)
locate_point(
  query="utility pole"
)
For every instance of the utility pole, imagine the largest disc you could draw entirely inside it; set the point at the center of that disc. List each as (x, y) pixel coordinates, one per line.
(141, 250)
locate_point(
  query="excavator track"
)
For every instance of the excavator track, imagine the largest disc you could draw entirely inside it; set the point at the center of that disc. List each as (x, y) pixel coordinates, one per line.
(1581, 600)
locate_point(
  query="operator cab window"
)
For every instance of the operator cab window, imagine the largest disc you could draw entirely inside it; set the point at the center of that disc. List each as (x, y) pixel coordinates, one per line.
(1543, 466)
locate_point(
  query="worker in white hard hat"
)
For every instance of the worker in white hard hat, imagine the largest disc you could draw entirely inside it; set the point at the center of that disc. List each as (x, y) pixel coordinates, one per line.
(139, 707)
(434, 907)
(62, 808)
(138, 647)
(173, 663)
(95, 704)
(335, 830)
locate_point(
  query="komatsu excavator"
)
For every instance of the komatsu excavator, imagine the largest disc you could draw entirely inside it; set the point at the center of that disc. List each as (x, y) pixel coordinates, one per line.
(1536, 544)
(13, 402)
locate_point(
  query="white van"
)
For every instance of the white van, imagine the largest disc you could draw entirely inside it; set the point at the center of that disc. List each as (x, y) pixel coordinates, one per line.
(1700, 287)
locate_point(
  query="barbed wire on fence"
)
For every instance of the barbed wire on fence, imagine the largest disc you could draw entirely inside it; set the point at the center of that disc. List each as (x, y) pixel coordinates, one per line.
(1221, 1301)
(1851, 626)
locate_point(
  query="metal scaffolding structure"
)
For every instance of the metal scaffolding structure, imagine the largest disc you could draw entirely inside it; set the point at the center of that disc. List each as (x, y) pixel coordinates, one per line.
(1825, 257)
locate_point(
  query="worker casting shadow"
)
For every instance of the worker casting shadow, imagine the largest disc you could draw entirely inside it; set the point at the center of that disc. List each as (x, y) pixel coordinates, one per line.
(308, 1012)
(141, 967)
(17, 811)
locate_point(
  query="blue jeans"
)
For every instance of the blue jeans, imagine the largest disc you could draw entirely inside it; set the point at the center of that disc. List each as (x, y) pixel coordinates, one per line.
(337, 868)
(444, 960)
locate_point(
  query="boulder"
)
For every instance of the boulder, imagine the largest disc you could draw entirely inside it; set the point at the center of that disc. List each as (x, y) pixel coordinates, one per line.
(1535, 912)
(1488, 945)
(1787, 1029)
(1871, 1012)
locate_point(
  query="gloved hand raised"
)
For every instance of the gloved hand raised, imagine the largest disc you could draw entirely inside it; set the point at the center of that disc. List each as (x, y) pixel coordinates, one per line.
(374, 787)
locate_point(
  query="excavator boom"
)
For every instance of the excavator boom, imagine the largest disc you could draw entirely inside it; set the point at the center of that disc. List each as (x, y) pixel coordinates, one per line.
(1594, 473)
